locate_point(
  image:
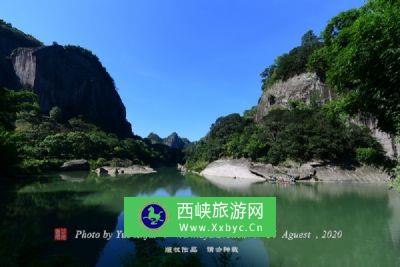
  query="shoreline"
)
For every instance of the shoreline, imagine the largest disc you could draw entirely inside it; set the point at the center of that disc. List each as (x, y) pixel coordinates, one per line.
(311, 172)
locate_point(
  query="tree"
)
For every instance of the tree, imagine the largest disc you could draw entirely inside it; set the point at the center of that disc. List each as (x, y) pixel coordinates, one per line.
(362, 60)
(309, 38)
(55, 114)
(292, 63)
(12, 103)
(338, 23)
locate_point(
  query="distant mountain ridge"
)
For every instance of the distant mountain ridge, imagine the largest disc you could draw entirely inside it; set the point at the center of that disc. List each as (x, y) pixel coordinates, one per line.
(69, 77)
(173, 140)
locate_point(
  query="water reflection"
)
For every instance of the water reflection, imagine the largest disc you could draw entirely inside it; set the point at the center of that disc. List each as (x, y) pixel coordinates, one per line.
(368, 215)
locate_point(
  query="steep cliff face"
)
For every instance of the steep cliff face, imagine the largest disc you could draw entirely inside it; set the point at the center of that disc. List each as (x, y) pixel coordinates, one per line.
(387, 141)
(301, 87)
(305, 87)
(69, 77)
(10, 39)
(73, 79)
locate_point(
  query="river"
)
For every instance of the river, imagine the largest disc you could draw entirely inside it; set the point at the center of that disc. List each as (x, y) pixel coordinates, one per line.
(367, 216)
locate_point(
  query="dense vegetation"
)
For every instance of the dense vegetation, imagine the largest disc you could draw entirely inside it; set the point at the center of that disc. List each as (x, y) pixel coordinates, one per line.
(360, 59)
(31, 142)
(293, 63)
(17, 36)
(358, 56)
(301, 134)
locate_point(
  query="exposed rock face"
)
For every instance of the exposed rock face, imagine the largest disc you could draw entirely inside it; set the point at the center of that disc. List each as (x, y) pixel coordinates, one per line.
(10, 39)
(76, 165)
(69, 77)
(363, 174)
(300, 87)
(134, 169)
(231, 168)
(173, 140)
(181, 168)
(286, 174)
(387, 141)
(74, 80)
(311, 171)
(305, 87)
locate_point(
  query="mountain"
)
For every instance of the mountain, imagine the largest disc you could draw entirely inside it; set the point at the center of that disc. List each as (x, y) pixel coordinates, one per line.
(307, 87)
(69, 77)
(155, 139)
(173, 140)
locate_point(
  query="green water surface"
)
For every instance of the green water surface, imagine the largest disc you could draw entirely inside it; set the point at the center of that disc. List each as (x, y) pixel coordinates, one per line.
(367, 216)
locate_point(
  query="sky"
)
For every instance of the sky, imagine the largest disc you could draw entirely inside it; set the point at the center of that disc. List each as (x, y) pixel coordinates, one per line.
(178, 64)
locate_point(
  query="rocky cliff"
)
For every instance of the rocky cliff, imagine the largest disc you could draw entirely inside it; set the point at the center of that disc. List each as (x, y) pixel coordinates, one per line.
(305, 88)
(73, 79)
(69, 77)
(10, 39)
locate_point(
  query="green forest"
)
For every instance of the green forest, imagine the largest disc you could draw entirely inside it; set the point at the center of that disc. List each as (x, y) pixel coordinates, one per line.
(32, 142)
(358, 56)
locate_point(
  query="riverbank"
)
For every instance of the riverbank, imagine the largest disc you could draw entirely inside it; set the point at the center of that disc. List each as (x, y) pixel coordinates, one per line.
(130, 170)
(308, 172)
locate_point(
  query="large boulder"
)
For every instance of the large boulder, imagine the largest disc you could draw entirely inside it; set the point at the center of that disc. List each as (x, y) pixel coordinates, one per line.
(181, 168)
(76, 165)
(231, 168)
(134, 169)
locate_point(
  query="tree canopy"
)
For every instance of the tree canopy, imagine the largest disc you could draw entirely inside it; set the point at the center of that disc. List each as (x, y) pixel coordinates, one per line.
(360, 59)
(292, 63)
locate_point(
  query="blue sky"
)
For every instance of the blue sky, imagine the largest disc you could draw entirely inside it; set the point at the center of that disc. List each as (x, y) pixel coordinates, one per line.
(178, 64)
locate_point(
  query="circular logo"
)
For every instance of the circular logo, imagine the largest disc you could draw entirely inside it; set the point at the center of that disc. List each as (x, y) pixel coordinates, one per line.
(153, 216)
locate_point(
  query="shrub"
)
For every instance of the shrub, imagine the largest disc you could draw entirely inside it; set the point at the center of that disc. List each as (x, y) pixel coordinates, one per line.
(369, 156)
(300, 134)
(29, 166)
(55, 114)
(197, 166)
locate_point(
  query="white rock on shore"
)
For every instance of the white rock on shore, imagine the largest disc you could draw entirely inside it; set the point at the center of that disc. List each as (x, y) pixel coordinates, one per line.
(231, 168)
(312, 171)
(134, 169)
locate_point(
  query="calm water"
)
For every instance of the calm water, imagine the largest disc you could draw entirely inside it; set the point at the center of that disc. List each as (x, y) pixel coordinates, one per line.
(367, 215)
